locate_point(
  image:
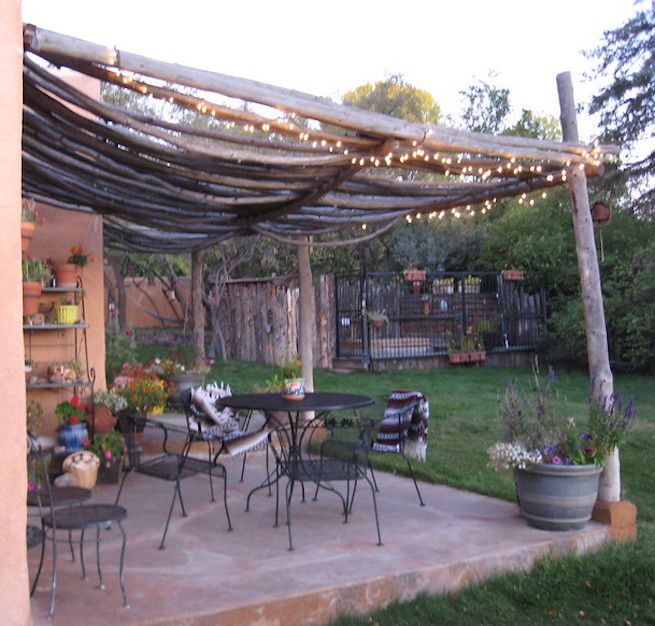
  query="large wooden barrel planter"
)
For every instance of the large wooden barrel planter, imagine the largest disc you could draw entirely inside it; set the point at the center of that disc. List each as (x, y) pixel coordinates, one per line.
(557, 497)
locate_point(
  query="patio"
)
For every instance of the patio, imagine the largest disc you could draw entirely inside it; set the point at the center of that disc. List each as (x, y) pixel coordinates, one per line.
(207, 575)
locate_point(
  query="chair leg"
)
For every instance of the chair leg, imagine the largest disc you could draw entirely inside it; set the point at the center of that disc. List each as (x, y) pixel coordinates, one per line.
(53, 582)
(370, 467)
(209, 460)
(289, 495)
(170, 512)
(352, 498)
(277, 499)
(101, 585)
(120, 487)
(243, 467)
(411, 473)
(120, 567)
(227, 512)
(70, 543)
(82, 555)
(375, 509)
(44, 538)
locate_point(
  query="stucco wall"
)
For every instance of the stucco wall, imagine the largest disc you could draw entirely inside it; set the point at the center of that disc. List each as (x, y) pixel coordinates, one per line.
(14, 593)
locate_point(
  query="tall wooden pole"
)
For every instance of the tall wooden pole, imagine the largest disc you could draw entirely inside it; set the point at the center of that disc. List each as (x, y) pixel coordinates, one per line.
(592, 297)
(197, 308)
(307, 314)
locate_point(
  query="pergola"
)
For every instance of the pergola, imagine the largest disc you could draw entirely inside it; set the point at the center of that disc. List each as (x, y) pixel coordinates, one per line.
(265, 160)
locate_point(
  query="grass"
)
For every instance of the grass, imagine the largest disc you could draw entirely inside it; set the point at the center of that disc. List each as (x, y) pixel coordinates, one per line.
(613, 586)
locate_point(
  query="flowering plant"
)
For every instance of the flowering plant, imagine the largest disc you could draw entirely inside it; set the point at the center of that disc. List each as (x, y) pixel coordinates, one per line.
(534, 432)
(291, 369)
(79, 257)
(70, 412)
(114, 401)
(108, 446)
(142, 391)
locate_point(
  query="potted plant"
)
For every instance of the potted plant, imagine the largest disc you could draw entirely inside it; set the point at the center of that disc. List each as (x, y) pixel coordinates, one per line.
(71, 417)
(64, 372)
(466, 349)
(425, 304)
(29, 217)
(415, 278)
(378, 319)
(487, 329)
(66, 273)
(35, 273)
(67, 310)
(513, 275)
(106, 406)
(294, 384)
(556, 462)
(183, 374)
(443, 285)
(472, 284)
(109, 447)
(34, 412)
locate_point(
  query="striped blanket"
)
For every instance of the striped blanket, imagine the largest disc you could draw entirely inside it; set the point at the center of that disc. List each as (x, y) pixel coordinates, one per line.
(404, 428)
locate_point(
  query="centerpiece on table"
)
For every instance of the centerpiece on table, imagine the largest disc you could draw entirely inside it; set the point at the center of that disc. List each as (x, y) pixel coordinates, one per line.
(71, 416)
(556, 462)
(294, 384)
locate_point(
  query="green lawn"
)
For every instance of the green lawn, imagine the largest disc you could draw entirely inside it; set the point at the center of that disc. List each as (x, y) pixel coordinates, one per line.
(613, 586)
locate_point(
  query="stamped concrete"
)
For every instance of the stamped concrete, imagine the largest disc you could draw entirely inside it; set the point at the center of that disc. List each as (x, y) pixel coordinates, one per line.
(207, 575)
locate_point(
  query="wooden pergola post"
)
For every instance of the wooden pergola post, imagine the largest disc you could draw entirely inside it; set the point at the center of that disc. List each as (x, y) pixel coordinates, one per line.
(197, 308)
(307, 315)
(590, 288)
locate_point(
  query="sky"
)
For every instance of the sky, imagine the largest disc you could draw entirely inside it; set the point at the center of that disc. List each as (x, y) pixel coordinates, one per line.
(328, 48)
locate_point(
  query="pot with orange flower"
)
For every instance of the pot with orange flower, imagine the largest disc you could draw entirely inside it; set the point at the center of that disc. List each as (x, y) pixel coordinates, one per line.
(71, 416)
(294, 384)
(66, 273)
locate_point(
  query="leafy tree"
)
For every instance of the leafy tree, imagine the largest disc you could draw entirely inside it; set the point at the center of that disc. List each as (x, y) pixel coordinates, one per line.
(486, 107)
(538, 126)
(396, 97)
(627, 104)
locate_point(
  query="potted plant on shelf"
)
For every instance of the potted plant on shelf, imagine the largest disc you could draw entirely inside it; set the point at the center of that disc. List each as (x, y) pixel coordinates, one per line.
(35, 273)
(444, 285)
(71, 417)
(466, 349)
(67, 310)
(294, 384)
(109, 447)
(378, 319)
(106, 406)
(29, 217)
(556, 462)
(66, 273)
(415, 278)
(472, 284)
(64, 372)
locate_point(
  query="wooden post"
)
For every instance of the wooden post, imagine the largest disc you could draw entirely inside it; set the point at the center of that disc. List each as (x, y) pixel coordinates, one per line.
(592, 297)
(307, 314)
(197, 309)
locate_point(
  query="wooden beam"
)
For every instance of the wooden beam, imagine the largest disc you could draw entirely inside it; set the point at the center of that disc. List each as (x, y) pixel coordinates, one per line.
(590, 287)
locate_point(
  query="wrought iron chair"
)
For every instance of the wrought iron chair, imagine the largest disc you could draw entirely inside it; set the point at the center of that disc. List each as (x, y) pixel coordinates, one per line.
(342, 457)
(404, 426)
(81, 517)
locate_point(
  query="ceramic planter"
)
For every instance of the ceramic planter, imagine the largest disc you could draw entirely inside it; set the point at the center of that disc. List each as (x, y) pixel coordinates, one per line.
(557, 497)
(294, 389)
(103, 419)
(73, 436)
(67, 313)
(66, 275)
(31, 295)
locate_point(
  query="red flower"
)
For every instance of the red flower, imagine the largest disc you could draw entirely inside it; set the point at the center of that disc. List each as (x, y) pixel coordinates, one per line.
(74, 420)
(75, 401)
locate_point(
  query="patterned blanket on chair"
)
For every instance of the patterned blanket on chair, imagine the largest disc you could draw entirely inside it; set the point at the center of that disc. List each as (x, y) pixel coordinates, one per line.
(405, 425)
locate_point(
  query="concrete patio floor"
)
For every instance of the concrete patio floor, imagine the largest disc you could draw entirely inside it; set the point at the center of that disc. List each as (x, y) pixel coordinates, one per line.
(207, 575)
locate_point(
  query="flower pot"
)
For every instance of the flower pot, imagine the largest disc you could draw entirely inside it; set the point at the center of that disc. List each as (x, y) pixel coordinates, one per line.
(109, 471)
(473, 288)
(66, 275)
(426, 307)
(26, 233)
(84, 466)
(378, 324)
(416, 286)
(73, 436)
(103, 419)
(67, 313)
(557, 497)
(511, 275)
(294, 389)
(31, 295)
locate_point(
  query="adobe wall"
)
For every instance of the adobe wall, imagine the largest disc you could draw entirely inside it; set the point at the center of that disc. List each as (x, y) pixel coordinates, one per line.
(14, 592)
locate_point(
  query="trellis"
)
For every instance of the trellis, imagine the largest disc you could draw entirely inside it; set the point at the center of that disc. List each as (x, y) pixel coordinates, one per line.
(298, 166)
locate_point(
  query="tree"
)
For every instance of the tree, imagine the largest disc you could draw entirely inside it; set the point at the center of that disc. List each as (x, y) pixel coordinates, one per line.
(538, 126)
(486, 107)
(627, 105)
(396, 97)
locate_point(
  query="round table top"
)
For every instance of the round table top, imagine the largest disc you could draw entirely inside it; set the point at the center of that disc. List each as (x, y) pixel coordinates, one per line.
(313, 401)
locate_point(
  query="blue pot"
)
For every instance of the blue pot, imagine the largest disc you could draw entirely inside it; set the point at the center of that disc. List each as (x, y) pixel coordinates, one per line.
(73, 436)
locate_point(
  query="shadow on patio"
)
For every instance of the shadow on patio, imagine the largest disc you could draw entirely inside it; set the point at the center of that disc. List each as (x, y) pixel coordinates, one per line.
(207, 575)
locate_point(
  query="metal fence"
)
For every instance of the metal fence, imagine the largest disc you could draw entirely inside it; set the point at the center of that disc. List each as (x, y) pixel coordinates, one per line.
(390, 315)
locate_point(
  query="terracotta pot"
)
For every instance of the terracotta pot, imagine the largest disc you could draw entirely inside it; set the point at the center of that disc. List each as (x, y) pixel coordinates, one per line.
(426, 307)
(26, 233)
(601, 214)
(416, 286)
(104, 420)
(31, 295)
(66, 275)
(378, 324)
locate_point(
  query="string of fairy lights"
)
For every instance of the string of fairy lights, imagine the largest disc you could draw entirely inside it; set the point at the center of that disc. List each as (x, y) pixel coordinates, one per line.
(361, 151)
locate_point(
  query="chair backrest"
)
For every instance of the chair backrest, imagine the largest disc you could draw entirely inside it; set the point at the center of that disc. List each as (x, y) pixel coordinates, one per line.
(349, 439)
(38, 478)
(406, 417)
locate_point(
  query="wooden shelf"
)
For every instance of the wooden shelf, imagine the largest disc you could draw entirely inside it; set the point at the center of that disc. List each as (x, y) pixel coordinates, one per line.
(54, 326)
(61, 289)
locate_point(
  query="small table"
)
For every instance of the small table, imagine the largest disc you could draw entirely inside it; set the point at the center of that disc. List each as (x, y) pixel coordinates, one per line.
(321, 403)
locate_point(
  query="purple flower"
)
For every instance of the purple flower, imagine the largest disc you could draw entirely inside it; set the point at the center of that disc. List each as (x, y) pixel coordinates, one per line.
(556, 461)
